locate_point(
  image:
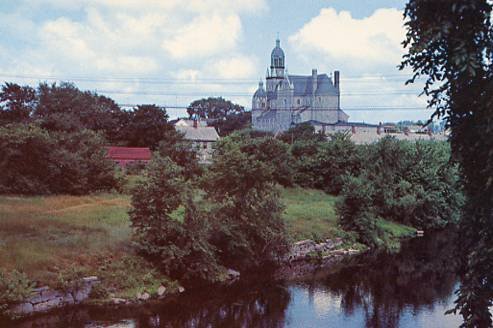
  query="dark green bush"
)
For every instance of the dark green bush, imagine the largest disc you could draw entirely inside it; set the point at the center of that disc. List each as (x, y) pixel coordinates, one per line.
(36, 161)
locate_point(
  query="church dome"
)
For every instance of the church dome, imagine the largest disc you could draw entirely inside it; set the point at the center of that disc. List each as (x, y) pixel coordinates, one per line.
(277, 56)
(260, 93)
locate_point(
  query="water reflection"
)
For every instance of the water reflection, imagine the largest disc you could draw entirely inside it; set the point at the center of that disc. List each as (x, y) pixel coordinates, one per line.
(410, 289)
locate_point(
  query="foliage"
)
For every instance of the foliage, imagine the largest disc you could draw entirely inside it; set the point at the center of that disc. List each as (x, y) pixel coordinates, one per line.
(14, 287)
(414, 184)
(265, 149)
(181, 152)
(64, 107)
(180, 249)
(232, 122)
(321, 164)
(248, 228)
(36, 161)
(18, 103)
(213, 108)
(355, 209)
(450, 42)
(146, 126)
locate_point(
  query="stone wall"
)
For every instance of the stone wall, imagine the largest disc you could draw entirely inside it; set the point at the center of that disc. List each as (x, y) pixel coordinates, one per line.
(301, 250)
(45, 299)
(307, 256)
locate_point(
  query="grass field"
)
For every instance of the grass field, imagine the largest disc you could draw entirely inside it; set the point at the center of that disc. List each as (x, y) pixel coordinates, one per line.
(43, 236)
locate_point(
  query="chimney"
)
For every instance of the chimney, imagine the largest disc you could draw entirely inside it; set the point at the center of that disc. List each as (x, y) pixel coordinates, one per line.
(314, 80)
(336, 80)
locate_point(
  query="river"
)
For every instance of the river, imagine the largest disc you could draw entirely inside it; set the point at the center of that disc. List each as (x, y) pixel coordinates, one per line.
(411, 288)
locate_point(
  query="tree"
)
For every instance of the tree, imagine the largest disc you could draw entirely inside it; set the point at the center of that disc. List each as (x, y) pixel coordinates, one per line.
(179, 248)
(181, 152)
(213, 108)
(65, 108)
(18, 101)
(233, 122)
(450, 42)
(147, 126)
(37, 161)
(355, 209)
(248, 228)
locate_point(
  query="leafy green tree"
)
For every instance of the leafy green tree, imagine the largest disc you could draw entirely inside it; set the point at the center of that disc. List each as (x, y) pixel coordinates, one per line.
(36, 161)
(248, 228)
(18, 103)
(147, 126)
(181, 152)
(450, 43)
(64, 107)
(25, 160)
(356, 210)
(232, 122)
(213, 108)
(303, 131)
(179, 248)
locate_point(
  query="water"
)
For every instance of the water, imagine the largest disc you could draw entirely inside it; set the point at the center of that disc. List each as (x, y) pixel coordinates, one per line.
(413, 288)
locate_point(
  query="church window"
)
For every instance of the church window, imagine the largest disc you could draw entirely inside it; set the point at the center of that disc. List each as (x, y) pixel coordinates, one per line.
(299, 101)
(263, 105)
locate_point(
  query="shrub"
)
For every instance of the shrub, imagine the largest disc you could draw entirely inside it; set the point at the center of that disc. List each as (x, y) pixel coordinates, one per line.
(36, 161)
(179, 248)
(14, 287)
(355, 209)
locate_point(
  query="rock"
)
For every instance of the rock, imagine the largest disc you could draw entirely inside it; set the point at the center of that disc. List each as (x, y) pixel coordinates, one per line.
(82, 293)
(161, 290)
(181, 289)
(233, 274)
(143, 297)
(22, 309)
(116, 300)
(45, 295)
(90, 279)
(48, 305)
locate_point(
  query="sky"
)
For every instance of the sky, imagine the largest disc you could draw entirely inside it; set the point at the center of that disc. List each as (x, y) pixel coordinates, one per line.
(171, 52)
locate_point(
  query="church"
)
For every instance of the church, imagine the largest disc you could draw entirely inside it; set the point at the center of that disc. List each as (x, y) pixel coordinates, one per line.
(288, 100)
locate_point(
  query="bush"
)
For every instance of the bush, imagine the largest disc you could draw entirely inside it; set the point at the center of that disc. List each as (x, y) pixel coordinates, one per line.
(179, 248)
(36, 161)
(355, 209)
(14, 287)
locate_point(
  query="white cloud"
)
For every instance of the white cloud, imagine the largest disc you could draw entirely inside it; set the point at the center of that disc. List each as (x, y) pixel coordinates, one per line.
(205, 36)
(373, 40)
(236, 67)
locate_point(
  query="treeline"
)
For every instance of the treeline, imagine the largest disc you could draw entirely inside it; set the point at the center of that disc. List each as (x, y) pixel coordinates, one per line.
(229, 215)
(53, 138)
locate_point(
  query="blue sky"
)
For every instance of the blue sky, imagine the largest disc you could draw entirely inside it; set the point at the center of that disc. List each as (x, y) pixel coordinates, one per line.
(171, 52)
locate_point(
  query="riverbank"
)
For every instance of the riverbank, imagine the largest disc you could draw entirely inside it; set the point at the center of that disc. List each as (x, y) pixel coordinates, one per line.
(57, 240)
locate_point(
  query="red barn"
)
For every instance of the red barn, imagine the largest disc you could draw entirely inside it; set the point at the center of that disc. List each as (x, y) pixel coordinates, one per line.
(128, 155)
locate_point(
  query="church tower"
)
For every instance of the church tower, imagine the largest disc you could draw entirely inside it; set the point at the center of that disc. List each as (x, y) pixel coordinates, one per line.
(277, 67)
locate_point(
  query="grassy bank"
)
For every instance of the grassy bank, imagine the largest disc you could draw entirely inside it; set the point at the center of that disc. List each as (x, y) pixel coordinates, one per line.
(46, 236)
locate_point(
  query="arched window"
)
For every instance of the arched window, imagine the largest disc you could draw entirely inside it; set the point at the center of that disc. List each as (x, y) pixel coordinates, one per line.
(299, 101)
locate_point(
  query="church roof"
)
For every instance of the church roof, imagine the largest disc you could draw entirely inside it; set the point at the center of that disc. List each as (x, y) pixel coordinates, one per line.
(303, 85)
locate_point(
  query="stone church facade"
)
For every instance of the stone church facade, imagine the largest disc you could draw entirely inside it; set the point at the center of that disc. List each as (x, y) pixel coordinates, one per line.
(288, 100)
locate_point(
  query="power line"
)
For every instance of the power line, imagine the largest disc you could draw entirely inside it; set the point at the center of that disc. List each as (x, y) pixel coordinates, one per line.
(369, 108)
(232, 94)
(149, 80)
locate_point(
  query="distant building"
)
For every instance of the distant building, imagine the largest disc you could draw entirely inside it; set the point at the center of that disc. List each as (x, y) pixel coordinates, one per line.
(292, 99)
(124, 156)
(202, 138)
